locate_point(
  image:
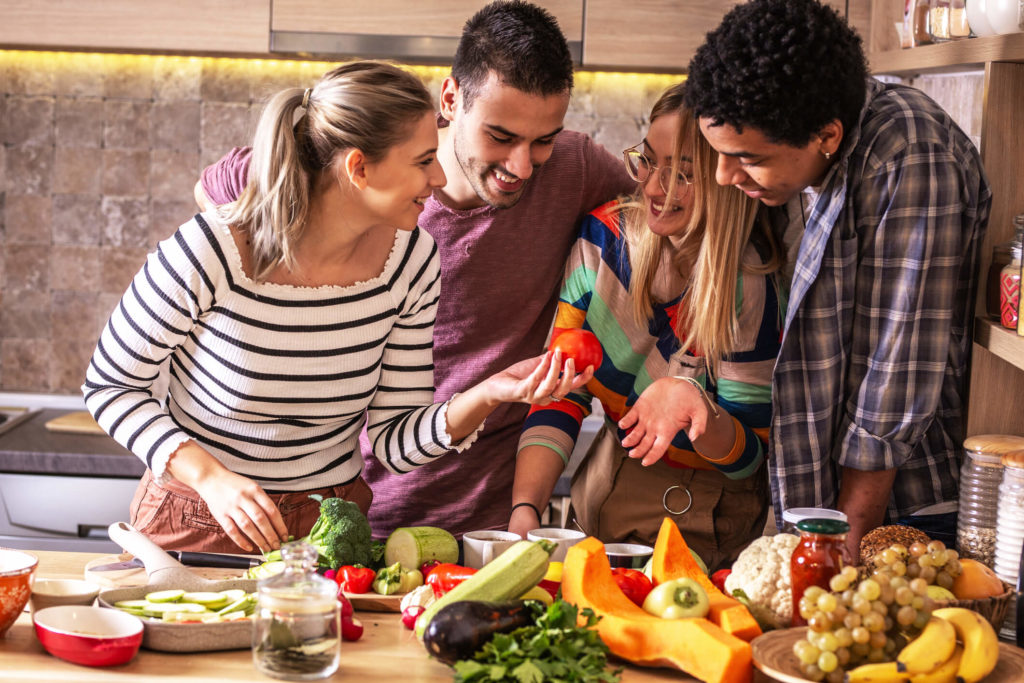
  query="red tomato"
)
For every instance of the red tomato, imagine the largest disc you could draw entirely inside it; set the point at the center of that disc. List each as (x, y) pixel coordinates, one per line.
(718, 578)
(634, 583)
(580, 345)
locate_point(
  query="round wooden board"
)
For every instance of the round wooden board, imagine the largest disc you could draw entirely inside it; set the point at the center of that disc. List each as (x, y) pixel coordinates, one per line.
(136, 576)
(773, 656)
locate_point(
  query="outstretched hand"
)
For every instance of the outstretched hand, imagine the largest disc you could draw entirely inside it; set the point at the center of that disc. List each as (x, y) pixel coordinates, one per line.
(539, 381)
(664, 408)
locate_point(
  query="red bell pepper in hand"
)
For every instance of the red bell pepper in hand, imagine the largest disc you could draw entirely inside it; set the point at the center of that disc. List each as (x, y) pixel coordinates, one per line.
(718, 578)
(447, 576)
(355, 579)
(634, 583)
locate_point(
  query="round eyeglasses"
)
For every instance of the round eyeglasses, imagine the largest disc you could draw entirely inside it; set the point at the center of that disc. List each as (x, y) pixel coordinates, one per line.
(640, 167)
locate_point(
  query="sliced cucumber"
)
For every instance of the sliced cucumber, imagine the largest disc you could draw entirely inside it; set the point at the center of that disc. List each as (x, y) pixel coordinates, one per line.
(131, 604)
(172, 595)
(211, 600)
(242, 603)
(234, 594)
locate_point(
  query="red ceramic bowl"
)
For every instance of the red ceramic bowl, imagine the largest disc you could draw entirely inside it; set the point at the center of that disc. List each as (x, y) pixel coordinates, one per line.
(93, 636)
(16, 571)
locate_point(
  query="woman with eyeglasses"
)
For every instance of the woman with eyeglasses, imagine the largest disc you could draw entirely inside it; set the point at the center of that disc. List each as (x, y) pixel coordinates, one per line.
(678, 284)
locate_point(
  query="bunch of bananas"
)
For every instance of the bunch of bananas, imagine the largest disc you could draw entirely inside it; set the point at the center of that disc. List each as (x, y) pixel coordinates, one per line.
(957, 645)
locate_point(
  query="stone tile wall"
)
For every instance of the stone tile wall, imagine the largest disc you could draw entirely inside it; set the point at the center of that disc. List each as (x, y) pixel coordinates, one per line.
(99, 155)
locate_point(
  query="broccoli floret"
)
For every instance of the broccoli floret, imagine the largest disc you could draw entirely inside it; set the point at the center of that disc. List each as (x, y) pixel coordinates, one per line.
(341, 534)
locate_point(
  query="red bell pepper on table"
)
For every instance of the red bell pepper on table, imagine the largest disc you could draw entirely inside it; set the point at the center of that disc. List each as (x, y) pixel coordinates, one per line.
(447, 576)
(634, 583)
(355, 579)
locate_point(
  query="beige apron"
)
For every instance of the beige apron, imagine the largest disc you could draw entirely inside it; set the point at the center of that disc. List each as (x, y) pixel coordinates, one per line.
(617, 499)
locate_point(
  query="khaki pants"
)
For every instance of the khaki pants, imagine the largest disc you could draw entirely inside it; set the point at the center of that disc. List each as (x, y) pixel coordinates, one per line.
(175, 518)
(617, 499)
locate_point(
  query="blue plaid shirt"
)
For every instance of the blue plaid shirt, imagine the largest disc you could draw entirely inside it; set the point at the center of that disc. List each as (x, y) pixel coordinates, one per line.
(872, 369)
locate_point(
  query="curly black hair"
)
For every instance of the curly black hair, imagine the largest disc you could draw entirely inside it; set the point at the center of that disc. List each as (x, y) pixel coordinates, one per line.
(521, 43)
(783, 67)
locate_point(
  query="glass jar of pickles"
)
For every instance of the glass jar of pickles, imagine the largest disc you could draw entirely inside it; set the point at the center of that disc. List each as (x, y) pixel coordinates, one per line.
(297, 627)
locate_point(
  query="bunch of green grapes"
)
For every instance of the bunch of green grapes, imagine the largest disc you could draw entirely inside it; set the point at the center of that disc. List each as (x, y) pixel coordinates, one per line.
(869, 619)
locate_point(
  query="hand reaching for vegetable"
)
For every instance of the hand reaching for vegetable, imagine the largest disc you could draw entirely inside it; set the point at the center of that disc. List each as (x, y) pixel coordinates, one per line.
(664, 408)
(246, 513)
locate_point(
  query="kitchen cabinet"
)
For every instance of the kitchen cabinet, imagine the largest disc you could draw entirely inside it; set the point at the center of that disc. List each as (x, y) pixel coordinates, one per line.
(996, 399)
(225, 26)
(403, 29)
(662, 35)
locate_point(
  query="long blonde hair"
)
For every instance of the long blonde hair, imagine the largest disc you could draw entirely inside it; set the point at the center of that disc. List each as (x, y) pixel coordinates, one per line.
(370, 106)
(710, 257)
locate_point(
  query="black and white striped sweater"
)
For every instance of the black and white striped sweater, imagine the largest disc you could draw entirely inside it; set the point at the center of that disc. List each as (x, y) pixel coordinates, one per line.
(273, 380)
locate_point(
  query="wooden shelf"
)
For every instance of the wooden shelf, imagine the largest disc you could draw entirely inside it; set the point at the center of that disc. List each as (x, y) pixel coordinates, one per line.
(952, 56)
(999, 341)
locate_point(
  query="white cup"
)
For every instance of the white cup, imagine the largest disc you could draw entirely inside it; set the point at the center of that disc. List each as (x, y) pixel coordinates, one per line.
(629, 555)
(480, 547)
(562, 538)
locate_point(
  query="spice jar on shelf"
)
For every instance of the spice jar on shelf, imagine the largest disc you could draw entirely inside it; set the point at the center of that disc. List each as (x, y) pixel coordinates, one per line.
(980, 476)
(817, 558)
(297, 627)
(1001, 257)
(1009, 289)
(959, 28)
(919, 25)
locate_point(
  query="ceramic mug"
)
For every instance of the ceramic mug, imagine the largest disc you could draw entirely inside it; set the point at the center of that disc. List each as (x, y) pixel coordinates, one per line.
(629, 555)
(480, 547)
(562, 538)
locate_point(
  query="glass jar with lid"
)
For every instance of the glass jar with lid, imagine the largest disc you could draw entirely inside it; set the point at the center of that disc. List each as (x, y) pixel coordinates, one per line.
(793, 516)
(980, 476)
(1010, 529)
(817, 558)
(1002, 255)
(297, 627)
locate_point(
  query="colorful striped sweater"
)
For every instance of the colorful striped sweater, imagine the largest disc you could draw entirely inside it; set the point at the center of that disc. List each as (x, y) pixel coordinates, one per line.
(595, 296)
(275, 381)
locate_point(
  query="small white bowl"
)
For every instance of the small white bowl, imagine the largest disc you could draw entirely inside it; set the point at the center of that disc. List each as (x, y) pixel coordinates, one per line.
(92, 636)
(53, 592)
(629, 555)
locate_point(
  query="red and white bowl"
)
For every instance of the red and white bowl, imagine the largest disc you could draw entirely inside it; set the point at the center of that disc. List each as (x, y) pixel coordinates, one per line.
(93, 636)
(17, 569)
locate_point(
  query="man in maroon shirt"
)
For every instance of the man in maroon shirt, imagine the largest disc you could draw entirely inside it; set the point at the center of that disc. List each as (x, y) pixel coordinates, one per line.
(517, 187)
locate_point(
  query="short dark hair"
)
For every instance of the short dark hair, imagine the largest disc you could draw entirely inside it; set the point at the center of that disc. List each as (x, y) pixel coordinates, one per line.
(521, 43)
(783, 67)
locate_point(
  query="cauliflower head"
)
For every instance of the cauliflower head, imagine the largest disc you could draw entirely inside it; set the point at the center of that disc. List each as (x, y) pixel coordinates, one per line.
(762, 572)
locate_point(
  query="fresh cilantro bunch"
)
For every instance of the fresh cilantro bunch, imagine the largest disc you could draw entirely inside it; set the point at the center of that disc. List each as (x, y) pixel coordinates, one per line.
(554, 648)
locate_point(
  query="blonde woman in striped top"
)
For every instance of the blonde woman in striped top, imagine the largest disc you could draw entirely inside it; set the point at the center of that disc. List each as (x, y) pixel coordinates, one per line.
(289, 319)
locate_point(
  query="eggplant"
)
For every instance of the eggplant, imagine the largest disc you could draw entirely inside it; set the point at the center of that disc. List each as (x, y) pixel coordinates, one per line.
(460, 629)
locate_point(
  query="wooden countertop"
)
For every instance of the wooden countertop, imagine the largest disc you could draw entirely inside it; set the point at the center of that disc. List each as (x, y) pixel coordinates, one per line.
(386, 652)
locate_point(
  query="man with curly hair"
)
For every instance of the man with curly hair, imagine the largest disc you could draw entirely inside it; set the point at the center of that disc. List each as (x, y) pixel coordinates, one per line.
(886, 202)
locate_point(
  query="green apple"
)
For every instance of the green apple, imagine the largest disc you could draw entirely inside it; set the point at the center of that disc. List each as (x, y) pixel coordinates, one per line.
(939, 593)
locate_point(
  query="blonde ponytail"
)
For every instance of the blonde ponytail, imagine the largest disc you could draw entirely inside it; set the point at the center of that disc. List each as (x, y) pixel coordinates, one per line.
(370, 106)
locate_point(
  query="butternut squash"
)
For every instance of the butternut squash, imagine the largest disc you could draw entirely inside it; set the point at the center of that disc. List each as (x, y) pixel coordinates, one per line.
(672, 559)
(696, 646)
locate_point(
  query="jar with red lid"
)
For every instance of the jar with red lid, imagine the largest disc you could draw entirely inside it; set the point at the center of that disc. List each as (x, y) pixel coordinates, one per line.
(817, 558)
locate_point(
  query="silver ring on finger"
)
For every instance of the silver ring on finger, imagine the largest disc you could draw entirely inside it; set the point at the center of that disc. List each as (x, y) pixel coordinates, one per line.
(664, 500)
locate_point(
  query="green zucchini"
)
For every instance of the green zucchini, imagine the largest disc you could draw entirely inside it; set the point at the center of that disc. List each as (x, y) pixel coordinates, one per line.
(506, 577)
(414, 545)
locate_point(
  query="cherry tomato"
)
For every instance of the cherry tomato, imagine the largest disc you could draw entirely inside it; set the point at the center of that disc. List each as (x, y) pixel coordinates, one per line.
(718, 578)
(580, 345)
(427, 567)
(634, 583)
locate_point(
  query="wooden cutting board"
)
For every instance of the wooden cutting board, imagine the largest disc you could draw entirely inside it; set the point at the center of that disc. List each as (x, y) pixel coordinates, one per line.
(136, 576)
(79, 422)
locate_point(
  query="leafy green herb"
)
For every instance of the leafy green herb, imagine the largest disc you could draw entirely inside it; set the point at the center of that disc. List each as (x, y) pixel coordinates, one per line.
(554, 649)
